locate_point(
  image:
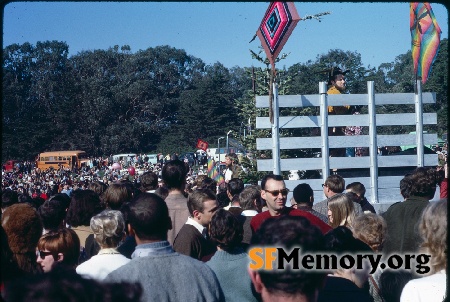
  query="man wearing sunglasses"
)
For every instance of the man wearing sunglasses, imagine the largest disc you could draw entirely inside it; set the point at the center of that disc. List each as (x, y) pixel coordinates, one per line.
(274, 192)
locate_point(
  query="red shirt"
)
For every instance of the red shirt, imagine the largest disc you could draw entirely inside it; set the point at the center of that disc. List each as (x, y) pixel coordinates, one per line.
(443, 188)
(257, 220)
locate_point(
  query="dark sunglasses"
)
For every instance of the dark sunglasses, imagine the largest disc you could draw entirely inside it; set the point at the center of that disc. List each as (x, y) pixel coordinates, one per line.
(42, 254)
(283, 192)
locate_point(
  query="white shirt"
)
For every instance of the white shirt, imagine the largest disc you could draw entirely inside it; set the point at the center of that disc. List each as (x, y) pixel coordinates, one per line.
(197, 225)
(249, 213)
(99, 266)
(426, 289)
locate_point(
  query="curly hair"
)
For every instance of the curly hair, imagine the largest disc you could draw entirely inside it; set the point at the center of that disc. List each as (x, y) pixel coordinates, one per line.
(225, 230)
(370, 228)
(433, 231)
(424, 181)
(342, 210)
(108, 228)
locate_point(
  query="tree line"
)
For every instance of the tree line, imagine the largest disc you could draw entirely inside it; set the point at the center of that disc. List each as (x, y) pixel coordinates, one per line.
(162, 99)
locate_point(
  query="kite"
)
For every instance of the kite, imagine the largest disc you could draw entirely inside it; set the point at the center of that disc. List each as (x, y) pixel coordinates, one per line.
(276, 27)
(425, 38)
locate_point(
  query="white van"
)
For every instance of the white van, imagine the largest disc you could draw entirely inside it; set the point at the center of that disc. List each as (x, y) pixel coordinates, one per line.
(152, 158)
(123, 156)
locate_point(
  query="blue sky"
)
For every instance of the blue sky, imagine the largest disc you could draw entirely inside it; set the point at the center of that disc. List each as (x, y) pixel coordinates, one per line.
(216, 31)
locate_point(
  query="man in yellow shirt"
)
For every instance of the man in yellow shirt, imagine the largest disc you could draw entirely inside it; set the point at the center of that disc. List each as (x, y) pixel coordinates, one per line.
(337, 84)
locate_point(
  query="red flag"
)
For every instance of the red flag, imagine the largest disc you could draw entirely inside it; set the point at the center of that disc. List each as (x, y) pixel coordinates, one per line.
(201, 144)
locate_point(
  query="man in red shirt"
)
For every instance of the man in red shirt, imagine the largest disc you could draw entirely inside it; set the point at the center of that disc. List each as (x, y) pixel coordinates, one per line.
(274, 192)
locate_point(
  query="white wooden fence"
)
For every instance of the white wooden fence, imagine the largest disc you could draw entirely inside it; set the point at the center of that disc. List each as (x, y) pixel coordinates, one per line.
(375, 185)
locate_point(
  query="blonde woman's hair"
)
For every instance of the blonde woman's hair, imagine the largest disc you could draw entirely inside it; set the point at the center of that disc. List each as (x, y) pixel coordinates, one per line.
(342, 210)
(370, 228)
(433, 231)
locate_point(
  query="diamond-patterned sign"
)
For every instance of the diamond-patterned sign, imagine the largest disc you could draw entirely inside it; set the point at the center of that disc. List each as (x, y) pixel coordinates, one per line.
(276, 27)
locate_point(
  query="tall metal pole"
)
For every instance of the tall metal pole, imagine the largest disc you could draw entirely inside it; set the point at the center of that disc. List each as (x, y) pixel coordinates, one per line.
(275, 133)
(419, 124)
(324, 130)
(228, 133)
(373, 145)
(218, 149)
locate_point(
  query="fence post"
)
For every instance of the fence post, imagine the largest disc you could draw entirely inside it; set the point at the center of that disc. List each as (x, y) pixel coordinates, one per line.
(324, 130)
(275, 133)
(373, 146)
(419, 124)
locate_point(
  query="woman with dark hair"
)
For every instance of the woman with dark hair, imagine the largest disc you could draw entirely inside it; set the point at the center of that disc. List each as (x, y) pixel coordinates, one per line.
(58, 247)
(346, 284)
(83, 206)
(230, 262)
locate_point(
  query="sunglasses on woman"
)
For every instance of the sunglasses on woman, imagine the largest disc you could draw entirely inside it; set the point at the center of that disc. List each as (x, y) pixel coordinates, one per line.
(42, 254)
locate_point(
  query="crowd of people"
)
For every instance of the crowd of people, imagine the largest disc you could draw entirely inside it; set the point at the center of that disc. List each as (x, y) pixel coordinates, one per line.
(165, 235)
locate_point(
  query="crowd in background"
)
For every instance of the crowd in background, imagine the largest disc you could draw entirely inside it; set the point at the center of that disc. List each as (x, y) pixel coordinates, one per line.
(160, 232)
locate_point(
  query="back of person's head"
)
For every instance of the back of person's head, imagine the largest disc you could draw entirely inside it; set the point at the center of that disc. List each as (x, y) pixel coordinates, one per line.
(248, 196)
(199, 179)
(303, 193)
(9, 197)
(342, 210)
(371, 229)
(335, 183)
(208, 183)
(424, 181)
(174, 174)
(23, 228)
(108, 228)
(149, 181)
(340, 240)
(66, 285)
(357, 188)
(83, 205)
(148, 216)
(405, 186)
(268, 177)
(9, 269)
(116, 195)
(64, 245)
(98, 187)
(53, 211)
(222, 199)
(225, 230)
(290, 232)
(235, 186)
(392, 283)
(162, 192)
(433, 231)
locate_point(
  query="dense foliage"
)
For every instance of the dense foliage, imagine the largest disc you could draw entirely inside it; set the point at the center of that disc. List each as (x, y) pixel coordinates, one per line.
(162, 99)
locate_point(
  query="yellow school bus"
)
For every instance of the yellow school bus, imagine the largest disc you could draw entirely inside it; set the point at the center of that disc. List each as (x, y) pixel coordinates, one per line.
(56, 159)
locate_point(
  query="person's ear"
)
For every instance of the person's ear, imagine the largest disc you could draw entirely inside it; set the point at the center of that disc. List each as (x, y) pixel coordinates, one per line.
(196, 214)
(256, 280)
(130, 230)
(60, 257)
